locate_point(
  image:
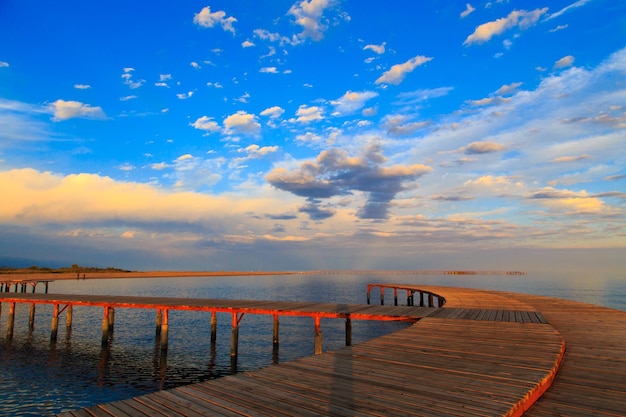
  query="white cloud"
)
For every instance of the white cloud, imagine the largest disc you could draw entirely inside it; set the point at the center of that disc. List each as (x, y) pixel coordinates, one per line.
(396, 73)
(127, 78)
(126, 98)
(241, 123)
(352, 102)
(308, 14)
(521, 19)
(207, 19)
(566, 61)
(195, 65)
(247, 44)
(468, 9)
(308, 114)
(4, 64)
(379, 49)
(508, 89)
(215, 85)
(82, 86)
(255, 151)
(184, 96)
(64, 110)
(205, 123)
(273, 112)
(269, 70)
(566, 9)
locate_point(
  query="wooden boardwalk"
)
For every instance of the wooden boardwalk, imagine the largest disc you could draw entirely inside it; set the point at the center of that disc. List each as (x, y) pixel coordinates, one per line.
(482, 354)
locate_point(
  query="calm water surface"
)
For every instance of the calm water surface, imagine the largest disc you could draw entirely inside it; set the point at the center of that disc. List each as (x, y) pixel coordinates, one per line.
(39, 378)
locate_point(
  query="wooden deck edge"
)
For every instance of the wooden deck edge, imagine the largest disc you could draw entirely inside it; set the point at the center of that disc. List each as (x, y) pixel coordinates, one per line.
(536, 393)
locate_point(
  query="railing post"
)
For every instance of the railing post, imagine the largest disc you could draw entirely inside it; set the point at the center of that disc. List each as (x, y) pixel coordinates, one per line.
(430, 300)
(348, 331)
(421, 299)
(395, 296)
(159, 321)
(382, 295)
(369, 288)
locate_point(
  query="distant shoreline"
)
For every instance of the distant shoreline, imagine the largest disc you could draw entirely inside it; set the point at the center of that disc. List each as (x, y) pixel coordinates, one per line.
(54, 276)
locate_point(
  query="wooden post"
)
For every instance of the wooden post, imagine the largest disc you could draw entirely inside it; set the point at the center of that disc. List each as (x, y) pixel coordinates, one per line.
(11, 320)
(159, 321)
(46, 287)
(213, 327)
(55, 324)
(318, 336)
(382, 296)
(348, 331)
(395, 296)
(368, 293)
(68, 317)
(111, 319)
(105, 326)
(31, 317)
(275, 330)
(409, 297)
(164, 330)
(234, 337)
(430, 300)
(421, 299)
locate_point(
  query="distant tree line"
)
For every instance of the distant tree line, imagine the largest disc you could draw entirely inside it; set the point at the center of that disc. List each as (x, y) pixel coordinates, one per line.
(45, 270)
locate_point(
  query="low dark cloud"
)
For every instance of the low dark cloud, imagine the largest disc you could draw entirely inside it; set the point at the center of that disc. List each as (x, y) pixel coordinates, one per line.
(335, 173)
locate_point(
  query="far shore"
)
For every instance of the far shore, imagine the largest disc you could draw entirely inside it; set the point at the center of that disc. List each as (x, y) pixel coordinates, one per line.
(53, 276)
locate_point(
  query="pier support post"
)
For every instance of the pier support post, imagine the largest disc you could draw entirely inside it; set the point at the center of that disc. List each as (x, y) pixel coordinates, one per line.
(409, 297)
(55, 324)
(68, 317)
(348, 331)
(105, 326)
(31, 317)
(430, 300)
(318, 336)
(275, 331)
(395, 296)
(11, 321)
(159, 321)
(213, 327)
(164, 330)
(421, 299)
(382, 296)
(111, 319)
(234, 337)
(368, 293)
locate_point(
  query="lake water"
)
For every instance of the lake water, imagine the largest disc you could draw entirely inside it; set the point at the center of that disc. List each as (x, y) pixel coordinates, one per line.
(39, 378)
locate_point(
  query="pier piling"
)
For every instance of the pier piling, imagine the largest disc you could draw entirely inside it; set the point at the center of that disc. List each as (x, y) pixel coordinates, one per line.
(213, 327)
(11, 321)
(318, 336)
(164, 330)
(54, 328)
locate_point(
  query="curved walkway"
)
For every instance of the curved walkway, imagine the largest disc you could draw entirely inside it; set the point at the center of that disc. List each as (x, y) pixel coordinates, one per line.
(483, 354)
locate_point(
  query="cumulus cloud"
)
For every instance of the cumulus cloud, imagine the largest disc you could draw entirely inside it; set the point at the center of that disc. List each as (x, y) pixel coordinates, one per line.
(397, 72)
(255, 151)
(206, 123)
(308, 14)
(336, 173)
(477, 148)
(4, 64)
(273, 112)
(241, 123)
(521, 19)
(208, 19)
(566, 61)
(184, 96)
(127, 78)
(468, 9)
(269, 70)
(401, 125)
(247, 44)
(507, 89)
(82, 86)
(308, 114)
(64, 110)
(379, 49)
(351, 102)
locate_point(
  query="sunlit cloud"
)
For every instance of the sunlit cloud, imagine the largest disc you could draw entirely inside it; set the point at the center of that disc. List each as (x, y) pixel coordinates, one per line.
(520, 19)
(64, 110)
(379, 49)
(241, 123)
(397, 72)
(566, 61)
(208, 19)
(468, 10)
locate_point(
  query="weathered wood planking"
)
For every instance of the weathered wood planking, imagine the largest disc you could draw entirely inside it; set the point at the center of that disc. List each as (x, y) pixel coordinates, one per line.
(484, 354)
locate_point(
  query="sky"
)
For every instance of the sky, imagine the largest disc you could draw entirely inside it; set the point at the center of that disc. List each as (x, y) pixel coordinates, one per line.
(313, 134)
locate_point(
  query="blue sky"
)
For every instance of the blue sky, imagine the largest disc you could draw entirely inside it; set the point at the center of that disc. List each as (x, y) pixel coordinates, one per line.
(313, 134)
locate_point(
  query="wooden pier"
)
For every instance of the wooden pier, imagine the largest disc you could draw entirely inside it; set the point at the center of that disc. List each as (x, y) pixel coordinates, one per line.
(483, 353)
